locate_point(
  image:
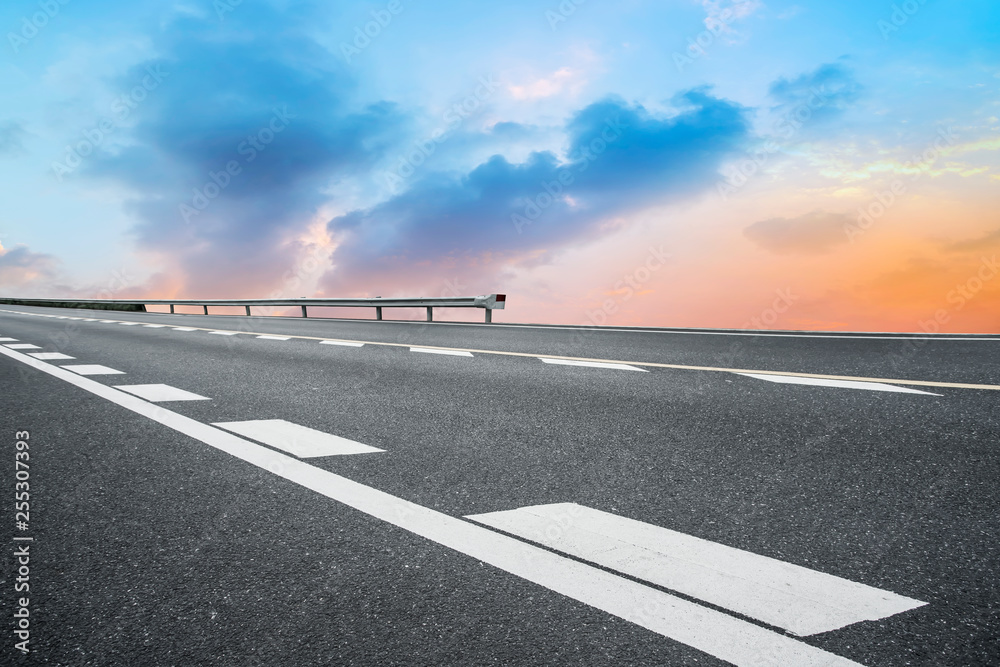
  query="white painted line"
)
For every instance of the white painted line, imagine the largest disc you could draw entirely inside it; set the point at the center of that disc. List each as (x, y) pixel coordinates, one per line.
(300, 441)
(154, 326)
(273, 337)
(781, 594)
(48, 356)
(224, 333)
(340, 342)
(4, 340)
(89, 319)
(841, 384)
(430, 350)
(109, 321)
(593, 364)
(713, 632)
(160, 392)
(22, 346)
(129, 324)
(184, 329)
(92, 369)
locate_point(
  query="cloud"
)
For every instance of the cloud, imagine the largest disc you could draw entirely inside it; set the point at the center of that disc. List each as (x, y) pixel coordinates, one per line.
(12, 136)
(990, 240)
(549, 86)
(620, 158)
(22, 269)
(827, 92)
(229, 155)
(810, 234)
(719, 14)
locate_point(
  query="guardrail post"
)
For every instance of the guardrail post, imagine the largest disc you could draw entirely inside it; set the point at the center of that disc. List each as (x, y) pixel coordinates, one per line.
(206, 308)
(248, 311)
(430, 314)
(378, 312)
(304, 312)
(171, 309)
(489, 316)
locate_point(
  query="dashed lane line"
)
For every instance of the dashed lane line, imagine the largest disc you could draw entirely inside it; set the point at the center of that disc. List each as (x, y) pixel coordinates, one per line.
(273, 337)
(297, 440)
(593, 364)
(433, 350)
(157, 393)
(798, 599)
(647, 364)
(22, 346)
(344, 343)
(841, 384)
(726, 637)
(49, 356)
(92, 369)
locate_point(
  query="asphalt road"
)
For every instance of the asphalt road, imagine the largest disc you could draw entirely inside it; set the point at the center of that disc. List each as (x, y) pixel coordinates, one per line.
(153, 546)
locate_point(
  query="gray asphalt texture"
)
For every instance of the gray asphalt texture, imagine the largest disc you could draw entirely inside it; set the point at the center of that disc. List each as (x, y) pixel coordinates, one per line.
(152, 548)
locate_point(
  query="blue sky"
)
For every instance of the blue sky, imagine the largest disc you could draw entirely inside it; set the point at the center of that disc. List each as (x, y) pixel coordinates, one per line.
(407, 160)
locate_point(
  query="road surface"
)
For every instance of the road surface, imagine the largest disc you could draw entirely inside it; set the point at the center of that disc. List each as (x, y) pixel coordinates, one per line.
(213, 490)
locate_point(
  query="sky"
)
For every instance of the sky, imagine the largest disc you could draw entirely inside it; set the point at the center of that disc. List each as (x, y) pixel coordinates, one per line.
(699, 163)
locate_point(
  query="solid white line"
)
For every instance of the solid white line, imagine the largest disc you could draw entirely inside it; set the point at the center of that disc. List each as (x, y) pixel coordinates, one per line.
(708, 630)
(300, 441)
(49, 355)
(344, 343)
(92, 369)
(160, 392)
(784, 595)
(841, 384)
(593, 364)
(22, 346)
(273, 337)
(452, 353)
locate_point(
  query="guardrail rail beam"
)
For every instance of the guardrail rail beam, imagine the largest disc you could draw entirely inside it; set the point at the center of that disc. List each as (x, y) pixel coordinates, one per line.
(488, 302)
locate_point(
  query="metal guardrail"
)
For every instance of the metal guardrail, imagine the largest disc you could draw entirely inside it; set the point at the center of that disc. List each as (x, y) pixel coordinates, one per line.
(489, 302)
